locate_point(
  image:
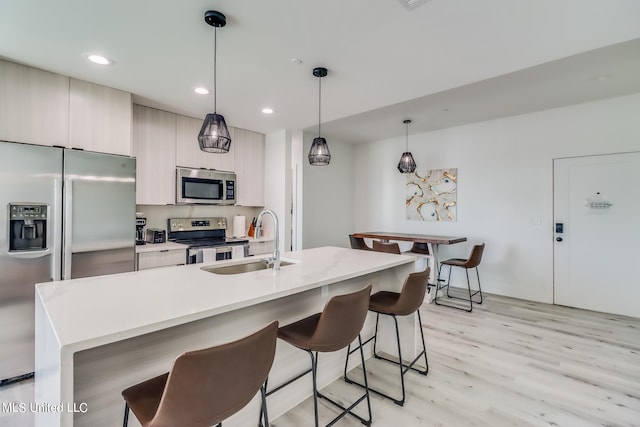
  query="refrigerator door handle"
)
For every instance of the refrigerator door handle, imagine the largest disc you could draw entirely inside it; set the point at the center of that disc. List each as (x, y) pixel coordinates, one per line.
(56, 259)
(66, 228)
(29, 254)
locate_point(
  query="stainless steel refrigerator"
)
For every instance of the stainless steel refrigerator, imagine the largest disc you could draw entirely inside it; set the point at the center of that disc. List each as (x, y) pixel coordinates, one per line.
(65, 214)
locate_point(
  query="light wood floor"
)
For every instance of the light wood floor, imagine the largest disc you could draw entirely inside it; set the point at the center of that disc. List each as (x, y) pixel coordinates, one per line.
(512, 363)
(508, 363)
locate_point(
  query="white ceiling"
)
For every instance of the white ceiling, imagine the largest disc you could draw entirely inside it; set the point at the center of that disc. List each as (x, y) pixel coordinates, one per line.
(442, 63)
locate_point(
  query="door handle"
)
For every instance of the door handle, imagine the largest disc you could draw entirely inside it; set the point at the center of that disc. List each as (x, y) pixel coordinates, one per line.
(558, 239)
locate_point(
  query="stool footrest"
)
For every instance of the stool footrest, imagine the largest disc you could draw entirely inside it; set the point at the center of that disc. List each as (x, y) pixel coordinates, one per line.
(345, 411)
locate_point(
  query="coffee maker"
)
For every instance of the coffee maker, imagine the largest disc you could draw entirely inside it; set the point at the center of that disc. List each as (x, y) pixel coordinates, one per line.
(140, 224)
(27, 227)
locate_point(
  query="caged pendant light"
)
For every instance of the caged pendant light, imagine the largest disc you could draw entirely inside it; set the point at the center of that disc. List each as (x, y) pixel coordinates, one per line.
(319, 154)
(406, 163)
(214, 136)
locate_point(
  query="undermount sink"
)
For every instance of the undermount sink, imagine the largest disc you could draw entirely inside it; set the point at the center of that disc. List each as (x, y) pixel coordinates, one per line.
(243, 268)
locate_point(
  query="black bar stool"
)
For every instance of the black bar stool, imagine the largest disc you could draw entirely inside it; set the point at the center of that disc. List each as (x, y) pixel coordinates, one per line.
(205, 387)
(334, 329)
(472, 262)
(394, 304)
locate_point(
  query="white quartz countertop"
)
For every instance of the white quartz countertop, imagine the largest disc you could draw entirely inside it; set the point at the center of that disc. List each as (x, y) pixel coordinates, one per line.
(89, 312)
(158, 247)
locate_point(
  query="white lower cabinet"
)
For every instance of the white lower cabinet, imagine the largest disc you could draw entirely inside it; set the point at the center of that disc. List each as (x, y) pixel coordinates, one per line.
(162, 258)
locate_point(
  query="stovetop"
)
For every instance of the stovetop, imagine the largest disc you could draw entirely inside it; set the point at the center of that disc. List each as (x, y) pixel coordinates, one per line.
(201, 232)
(200, 243)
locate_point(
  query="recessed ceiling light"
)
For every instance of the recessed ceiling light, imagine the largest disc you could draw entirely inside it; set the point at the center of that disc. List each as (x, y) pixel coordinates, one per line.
(201, 91)
(98, 59)
(602, 77)
(412, 4)
(267, 110)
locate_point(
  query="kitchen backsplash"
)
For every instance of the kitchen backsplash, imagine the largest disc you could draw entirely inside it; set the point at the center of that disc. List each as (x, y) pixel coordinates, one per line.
(157, 215)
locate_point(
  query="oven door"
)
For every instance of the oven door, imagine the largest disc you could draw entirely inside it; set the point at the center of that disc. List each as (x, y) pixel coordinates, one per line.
(209, 254)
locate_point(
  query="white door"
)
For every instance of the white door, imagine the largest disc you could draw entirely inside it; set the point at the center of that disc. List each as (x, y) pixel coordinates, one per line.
(597, 233)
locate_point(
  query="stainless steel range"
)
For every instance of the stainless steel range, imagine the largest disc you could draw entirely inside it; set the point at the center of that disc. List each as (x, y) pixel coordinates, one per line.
(206, 238)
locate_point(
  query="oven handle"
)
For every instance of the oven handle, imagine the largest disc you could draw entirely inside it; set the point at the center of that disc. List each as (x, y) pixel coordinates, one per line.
(196, 256)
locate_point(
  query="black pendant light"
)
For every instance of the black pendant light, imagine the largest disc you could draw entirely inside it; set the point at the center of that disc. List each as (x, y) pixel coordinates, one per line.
(406, 163)
(319, 154)
(214, 136)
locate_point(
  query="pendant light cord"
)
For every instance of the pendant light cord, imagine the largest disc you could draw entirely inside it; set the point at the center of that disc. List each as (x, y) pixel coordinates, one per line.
(319, 102)
(215, 49)
(407, 136)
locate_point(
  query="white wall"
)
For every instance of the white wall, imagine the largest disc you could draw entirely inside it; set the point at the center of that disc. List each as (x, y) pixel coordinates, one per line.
(328, 193)
(506, 183)
(277, 173)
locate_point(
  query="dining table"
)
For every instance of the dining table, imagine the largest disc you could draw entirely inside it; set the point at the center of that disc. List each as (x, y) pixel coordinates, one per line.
(424, 244)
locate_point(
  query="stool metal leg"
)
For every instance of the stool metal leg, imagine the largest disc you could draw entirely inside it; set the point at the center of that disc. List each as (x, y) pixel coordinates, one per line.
(404, 368)
(317, 394)
(314, 373)
(125, 422)
(263, 395)
(348, 410)
(471, 294)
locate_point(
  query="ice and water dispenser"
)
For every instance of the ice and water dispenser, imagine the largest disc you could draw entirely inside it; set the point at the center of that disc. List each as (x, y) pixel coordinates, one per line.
(27, 227)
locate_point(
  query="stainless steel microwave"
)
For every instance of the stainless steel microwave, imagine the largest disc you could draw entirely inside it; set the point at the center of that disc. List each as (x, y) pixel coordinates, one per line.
(205, 186)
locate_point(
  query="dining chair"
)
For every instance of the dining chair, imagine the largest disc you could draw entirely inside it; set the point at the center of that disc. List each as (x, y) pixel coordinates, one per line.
(392, 248)
(358, 243)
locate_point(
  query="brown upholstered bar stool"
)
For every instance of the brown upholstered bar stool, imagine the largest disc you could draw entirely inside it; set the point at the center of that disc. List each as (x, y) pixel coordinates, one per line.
(472, 262)
(358, 243)
(392, 248)
(335, 328)
(205, 387)
(394, 304)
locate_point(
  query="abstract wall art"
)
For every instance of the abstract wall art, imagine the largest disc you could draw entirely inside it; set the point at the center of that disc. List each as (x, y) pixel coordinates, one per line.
(433, 196)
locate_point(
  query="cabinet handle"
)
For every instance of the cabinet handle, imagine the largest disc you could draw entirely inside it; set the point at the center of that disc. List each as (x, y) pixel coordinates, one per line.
(164, 250)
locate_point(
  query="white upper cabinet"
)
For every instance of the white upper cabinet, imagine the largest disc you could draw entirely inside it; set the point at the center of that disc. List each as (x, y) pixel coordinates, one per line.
(154, 145)
(249, 167)
(188, 151)
(34, 105)
(99, 118)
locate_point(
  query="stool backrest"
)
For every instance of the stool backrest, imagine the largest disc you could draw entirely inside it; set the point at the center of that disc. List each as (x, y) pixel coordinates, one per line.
(358, 243)
(392, 248)
(412, 294)
(341, 321)
(207, 386)
(475, 257)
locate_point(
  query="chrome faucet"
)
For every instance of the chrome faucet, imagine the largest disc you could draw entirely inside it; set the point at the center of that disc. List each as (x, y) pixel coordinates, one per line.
(275, 259)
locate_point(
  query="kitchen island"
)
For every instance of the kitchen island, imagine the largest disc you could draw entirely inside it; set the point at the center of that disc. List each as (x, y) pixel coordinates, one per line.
(97, 336)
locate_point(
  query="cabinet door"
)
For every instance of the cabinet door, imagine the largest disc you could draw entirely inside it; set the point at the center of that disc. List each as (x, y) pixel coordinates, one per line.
(161, 258)
(188, 151)
(154, 137)
(99, 118)
(249, 167)
(34, 105)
